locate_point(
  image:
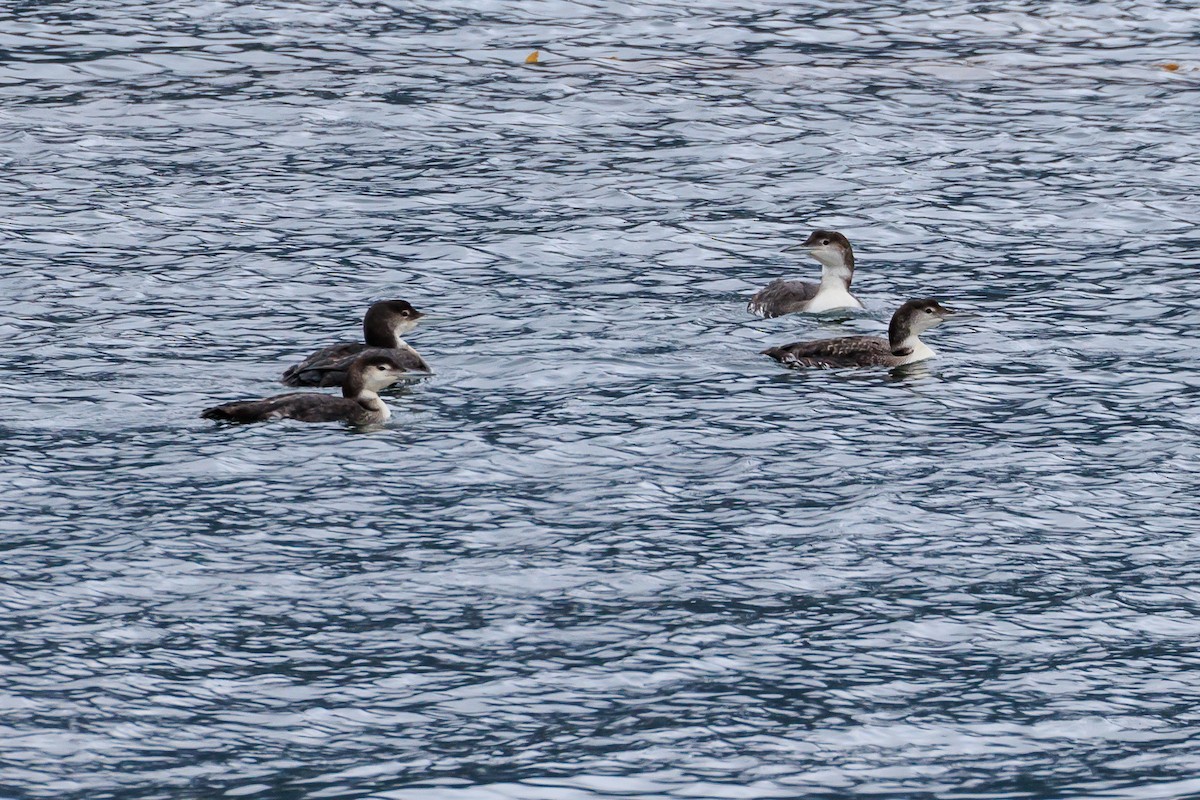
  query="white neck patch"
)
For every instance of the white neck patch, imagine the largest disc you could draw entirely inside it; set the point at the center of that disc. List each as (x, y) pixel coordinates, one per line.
(920, 350)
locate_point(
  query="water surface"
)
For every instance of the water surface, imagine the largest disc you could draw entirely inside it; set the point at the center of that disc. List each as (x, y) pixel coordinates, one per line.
(607, 550)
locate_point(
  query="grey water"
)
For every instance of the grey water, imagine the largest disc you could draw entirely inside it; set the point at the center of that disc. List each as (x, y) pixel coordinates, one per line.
(607, 549)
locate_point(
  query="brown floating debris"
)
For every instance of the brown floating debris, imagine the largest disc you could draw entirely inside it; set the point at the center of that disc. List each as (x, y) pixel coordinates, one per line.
(532, 58)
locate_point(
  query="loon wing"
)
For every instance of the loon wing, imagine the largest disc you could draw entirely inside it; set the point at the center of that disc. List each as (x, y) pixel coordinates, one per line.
(317, 369)
(303, 406)
(781, 297)
(847, 351)
(328, 367)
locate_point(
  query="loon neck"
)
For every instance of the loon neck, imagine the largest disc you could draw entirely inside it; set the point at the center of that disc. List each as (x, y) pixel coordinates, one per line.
(909, 348)
(836, 279)
(355, 387)
(373, 403)
(834, 292)
(355, 390)
(387, 338)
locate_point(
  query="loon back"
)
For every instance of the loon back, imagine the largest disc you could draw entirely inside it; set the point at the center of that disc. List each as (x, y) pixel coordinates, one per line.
(302, 406)
(847, 351)
(328, 366)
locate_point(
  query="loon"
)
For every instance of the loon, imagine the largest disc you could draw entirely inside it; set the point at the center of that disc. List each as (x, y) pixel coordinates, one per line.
(901, 347)
(781, 297)
(358, 405)
(383, 325)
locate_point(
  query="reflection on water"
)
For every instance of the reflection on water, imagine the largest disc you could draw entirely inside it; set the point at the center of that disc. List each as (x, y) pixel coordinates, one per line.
(607, 549)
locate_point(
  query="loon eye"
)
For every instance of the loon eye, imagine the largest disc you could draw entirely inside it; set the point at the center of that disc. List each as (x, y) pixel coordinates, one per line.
(928, 310)
(380, 367)
(824, 241)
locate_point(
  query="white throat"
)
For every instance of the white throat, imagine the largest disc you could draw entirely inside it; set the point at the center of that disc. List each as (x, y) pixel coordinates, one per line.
(830, 257)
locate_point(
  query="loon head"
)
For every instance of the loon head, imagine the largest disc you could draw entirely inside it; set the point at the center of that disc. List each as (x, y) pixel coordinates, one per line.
(388, 320)
(914, 318)
(832, 249)
(371, 373)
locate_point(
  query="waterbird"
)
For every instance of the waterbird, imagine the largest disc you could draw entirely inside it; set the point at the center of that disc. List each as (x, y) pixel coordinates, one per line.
(903, 345)
(359, 404)
(781, 297)
(383, 326)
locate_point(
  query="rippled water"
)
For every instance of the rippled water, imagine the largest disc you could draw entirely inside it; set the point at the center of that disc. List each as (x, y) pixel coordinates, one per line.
(608, 550)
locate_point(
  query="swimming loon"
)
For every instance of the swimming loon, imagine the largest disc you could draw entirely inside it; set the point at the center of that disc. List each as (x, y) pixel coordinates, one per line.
(385, 322)
(901, 347)
(358, 405)
(781, 297)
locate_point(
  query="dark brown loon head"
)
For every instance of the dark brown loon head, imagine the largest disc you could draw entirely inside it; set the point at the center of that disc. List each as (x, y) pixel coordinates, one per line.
(387, 321)
(912, 319)
(371, 373)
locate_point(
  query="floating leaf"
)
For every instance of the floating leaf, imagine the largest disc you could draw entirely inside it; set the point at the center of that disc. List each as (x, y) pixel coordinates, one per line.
(532, 58)
(1170, 66)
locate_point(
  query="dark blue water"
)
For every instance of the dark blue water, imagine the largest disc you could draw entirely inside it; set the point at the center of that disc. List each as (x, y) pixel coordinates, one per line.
(607, 550)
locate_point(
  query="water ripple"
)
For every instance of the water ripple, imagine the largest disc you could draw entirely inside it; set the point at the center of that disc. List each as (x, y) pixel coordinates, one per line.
(606, 550)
